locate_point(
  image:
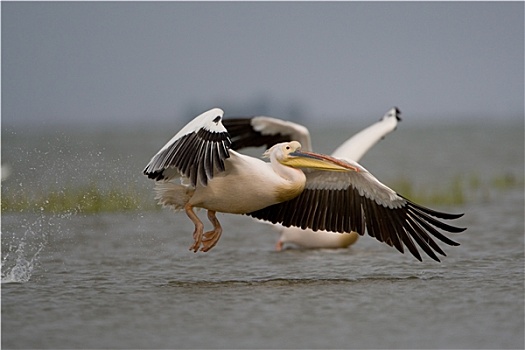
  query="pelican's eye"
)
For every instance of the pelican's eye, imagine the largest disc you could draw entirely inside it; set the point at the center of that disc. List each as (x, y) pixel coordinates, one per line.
(288, 147)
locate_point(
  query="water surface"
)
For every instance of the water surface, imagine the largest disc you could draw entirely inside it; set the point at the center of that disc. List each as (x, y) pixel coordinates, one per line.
(127, 279)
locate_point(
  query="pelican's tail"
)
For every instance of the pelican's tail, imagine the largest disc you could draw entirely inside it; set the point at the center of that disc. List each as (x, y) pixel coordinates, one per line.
(173, 195)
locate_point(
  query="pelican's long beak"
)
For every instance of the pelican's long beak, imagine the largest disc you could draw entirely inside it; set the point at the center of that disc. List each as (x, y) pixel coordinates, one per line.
(300, 159)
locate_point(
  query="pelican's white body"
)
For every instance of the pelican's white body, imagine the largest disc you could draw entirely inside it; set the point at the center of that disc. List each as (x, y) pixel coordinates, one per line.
(227, 193)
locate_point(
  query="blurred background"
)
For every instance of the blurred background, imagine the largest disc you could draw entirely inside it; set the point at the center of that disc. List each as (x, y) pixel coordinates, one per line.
(92, 90)
(138, 62)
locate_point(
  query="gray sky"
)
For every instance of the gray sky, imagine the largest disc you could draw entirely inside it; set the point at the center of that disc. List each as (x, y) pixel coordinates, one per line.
(153, 62)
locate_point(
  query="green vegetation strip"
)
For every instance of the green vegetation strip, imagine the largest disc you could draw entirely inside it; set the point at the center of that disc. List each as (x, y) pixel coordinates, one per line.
(90, 199)
(94, 199)
(459, 190)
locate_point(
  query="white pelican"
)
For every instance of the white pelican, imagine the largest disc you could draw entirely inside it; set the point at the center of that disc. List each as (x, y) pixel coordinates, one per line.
(198, 168)
(261, 130)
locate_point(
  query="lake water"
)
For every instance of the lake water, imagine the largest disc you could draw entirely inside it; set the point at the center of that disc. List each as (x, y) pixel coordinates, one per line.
(126, 279)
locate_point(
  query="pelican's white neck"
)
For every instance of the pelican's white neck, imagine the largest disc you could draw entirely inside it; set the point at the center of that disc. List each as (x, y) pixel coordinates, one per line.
(288, 173)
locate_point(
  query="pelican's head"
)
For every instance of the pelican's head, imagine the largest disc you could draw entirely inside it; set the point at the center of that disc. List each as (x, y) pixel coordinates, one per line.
(282, 150)
(290, 154)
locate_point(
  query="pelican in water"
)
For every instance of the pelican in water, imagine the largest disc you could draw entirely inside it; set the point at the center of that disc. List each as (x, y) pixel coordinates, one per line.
(266, 131)
(198, 168)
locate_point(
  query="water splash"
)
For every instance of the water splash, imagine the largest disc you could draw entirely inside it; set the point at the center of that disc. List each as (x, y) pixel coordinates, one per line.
(22, 255)
(22, 270)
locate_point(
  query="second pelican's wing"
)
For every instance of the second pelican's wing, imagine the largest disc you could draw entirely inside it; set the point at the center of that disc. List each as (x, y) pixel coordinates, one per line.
(355, 147)
(265, 131)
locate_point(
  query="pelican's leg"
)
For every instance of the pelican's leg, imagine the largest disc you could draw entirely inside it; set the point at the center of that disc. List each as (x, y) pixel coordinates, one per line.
(211, 237)
(279, 245)
(199, 227)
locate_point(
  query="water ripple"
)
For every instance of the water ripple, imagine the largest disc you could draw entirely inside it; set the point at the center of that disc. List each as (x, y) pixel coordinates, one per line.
(291, 281)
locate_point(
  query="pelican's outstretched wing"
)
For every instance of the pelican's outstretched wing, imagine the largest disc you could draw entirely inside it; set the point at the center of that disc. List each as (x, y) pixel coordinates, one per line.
(355, 147)
(355, 201)
(196, 152)
(265, 131)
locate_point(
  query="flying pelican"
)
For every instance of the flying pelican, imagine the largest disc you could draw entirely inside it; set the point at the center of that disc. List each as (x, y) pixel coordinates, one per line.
(265, 131)
(198, 168)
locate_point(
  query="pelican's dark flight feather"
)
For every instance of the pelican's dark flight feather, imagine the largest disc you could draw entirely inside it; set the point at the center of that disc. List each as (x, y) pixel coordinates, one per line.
(350, 201)
(196, 153)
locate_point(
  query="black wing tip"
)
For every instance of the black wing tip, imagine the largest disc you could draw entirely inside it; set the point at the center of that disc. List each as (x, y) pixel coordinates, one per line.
(460, 229)
(398, 114)
(418, 257)
(453, 216)
(435, 258)
(435, 213)
(155, 175)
